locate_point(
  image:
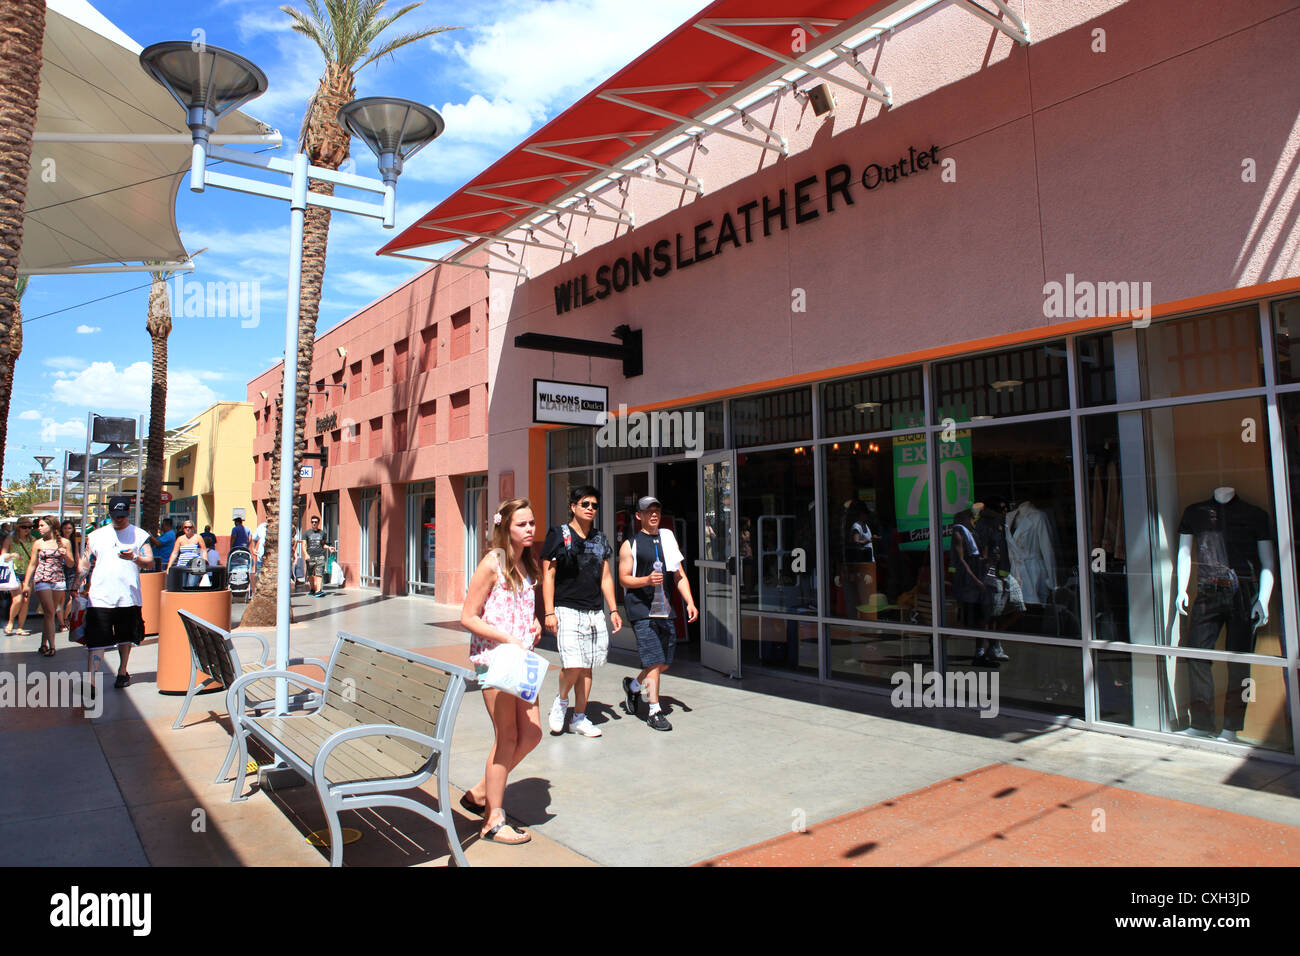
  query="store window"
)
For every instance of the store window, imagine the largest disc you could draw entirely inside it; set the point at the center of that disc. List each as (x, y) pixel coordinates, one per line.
(689, 431)
(475, 522)
(557, 500)
(772, 419)
(1286, 331)
(421, 536)
(872, 656)
(1218, 352)
(568, 448)
(1008, 513)
(1289, 408)
(877, 531)
(1181, 527)
(1021, 381)
(779, 643)
(873, 403)
(1045, 678)
(777, 528)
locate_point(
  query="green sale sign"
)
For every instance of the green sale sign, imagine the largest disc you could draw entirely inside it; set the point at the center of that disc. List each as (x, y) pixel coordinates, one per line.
(912, 485)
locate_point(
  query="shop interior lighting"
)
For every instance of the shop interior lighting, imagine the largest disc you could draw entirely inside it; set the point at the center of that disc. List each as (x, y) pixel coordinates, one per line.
(1007, 384)
(867, 406)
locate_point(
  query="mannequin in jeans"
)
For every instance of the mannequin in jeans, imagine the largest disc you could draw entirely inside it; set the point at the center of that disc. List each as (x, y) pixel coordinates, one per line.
(1229, 595)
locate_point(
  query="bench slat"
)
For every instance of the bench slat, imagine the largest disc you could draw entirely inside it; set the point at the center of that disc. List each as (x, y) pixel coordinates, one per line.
(365, 697)
(400, 757)
(399, 667)
(353, 760)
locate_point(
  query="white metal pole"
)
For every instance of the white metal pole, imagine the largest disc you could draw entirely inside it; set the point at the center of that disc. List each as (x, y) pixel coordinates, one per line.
(139, 472)
(288, 413)
(85, 473)
(63, 483)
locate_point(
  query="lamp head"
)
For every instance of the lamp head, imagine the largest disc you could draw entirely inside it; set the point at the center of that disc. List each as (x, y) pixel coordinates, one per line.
(207, 81)
(394, 129)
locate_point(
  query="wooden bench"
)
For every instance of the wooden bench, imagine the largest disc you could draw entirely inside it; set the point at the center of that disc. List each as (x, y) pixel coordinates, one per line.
(385, 724)
(213, 652)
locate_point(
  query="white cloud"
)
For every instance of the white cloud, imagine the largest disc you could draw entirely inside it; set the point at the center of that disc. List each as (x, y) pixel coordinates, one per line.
(31, 415)
(102, 385)
(88, 329)
(66, 363)
(52, 431)
(479, 119)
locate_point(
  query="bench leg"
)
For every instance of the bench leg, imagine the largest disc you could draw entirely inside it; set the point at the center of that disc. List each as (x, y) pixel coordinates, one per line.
(189, 696)
(223, 775)
(241, 768)
(336, 836)
(449, 818)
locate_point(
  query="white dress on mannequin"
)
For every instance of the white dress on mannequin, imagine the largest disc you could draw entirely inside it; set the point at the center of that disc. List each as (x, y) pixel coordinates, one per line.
(1029, 546)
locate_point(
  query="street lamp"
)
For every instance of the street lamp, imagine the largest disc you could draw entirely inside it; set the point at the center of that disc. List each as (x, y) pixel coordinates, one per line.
(210, 82)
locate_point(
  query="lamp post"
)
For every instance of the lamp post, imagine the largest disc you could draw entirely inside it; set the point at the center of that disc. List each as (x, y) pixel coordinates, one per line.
(210, 82)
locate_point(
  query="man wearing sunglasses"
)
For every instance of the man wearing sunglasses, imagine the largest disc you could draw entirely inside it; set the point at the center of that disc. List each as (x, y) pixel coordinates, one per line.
(576, 587)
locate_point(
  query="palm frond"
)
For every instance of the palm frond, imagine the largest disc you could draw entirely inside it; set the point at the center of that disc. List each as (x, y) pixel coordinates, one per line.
(401, 41)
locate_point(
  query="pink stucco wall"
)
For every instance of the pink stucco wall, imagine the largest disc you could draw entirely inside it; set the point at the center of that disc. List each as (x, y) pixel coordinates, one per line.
(1123, 165)
(428, 301)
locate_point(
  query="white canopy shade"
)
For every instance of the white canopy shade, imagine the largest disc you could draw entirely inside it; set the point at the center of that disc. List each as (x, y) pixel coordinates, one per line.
(105, 203)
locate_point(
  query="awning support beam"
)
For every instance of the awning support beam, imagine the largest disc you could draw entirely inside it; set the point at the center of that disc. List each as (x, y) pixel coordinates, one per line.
(1012, 26)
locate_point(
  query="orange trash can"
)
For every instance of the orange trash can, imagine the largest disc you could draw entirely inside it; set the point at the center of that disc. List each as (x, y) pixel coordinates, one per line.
(151, 589)
(173, 645)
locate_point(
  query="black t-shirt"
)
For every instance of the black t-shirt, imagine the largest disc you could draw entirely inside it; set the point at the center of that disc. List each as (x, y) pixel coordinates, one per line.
(315, 540)
(578, 567)
(1226, 537)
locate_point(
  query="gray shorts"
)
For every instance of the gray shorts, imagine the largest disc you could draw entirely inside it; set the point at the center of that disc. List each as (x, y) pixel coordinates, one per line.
(582, 637)
(656, 639)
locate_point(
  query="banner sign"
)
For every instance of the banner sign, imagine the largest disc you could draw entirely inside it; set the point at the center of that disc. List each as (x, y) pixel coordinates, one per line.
(569, 403)
(912, 486)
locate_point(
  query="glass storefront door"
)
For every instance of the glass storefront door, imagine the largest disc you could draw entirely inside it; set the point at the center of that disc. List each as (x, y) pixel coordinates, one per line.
(719, 648)
(624, 486)
(475, 522)
(420, 531)
(370, 534)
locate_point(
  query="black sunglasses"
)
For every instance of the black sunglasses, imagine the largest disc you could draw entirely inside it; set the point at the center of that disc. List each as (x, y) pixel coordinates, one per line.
(589, 504)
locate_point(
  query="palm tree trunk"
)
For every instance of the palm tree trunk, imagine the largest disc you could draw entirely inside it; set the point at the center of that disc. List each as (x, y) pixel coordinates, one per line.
(159, 326)
(22, 33)
(11, 360)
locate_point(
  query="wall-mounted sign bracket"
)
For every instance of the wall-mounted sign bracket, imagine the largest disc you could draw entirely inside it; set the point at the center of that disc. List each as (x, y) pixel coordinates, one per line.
(629, 352)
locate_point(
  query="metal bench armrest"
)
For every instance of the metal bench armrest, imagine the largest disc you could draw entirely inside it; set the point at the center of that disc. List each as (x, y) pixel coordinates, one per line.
(266, 645)
(367, 730)
(235, 696)
(309, 660)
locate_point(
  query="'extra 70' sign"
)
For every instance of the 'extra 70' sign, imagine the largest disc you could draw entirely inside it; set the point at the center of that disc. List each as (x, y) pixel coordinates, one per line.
(912, 485)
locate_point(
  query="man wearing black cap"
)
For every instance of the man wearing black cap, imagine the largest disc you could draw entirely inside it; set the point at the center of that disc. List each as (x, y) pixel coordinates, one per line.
(642, 561)
(116, 553)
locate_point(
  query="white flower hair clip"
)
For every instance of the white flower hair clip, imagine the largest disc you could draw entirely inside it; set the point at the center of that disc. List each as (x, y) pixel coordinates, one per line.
(496, 519)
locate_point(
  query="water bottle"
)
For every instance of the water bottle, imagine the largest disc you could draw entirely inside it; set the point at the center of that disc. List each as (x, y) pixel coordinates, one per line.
(659, 607)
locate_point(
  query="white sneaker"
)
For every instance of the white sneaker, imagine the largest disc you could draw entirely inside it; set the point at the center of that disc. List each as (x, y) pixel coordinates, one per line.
(582, 725)
(558, 710)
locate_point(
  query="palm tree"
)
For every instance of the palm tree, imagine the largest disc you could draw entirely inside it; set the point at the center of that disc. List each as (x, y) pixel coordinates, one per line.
(345, 31)
(158, 323)
(22, 32)
(11, 360)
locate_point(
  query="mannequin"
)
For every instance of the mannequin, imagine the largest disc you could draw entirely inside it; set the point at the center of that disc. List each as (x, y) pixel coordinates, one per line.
(1232, 540)
(1029, 546)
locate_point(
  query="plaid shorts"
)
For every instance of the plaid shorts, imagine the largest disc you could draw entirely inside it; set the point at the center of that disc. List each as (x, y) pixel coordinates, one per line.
(582, 637)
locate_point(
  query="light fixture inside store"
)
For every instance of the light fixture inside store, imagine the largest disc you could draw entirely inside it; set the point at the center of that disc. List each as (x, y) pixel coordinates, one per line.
(1007, 384)
(866, 406)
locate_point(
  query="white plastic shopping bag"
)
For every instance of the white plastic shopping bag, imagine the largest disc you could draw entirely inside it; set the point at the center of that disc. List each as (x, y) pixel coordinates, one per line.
(515, 671)
(337, 578)
(77, 620)
(9, 581)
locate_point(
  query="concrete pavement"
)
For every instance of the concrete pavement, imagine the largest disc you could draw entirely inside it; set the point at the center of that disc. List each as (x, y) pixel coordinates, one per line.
(746, 763)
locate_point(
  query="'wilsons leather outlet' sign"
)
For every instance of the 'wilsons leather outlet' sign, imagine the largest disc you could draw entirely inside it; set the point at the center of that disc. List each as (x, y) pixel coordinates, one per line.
(757, 217)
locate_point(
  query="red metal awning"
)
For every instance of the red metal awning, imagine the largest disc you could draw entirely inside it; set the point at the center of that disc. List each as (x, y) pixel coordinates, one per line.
(727, 52)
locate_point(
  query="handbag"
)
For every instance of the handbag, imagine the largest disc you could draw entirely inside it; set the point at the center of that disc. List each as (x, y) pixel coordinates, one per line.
(516, 671)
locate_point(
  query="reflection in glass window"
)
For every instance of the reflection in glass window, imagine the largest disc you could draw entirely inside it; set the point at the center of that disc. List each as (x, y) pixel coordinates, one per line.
(1096, 371)
(1000, 384)
(1286, 331)
(1158, 693)
(1289, 406)
(557, 502)
(778, 644)
(1039, 677)
(871, 656)
(878, 530)
(569, 447)
(1203, 353)
(778, 539)
(1007, 501)
(701, 432)
(772, 419)
(874, 403)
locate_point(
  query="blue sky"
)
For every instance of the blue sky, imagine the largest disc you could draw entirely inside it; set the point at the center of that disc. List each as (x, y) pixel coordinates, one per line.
(512, 67)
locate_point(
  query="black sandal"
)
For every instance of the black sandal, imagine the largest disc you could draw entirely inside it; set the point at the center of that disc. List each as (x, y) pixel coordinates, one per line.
(491, 835)
(467, 802)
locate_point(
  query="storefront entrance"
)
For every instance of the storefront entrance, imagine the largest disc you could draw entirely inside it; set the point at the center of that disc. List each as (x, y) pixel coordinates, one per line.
(420, 532)
(717, 564)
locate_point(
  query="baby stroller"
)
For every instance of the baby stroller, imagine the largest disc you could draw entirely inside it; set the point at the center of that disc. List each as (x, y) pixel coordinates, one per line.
(239, 569)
